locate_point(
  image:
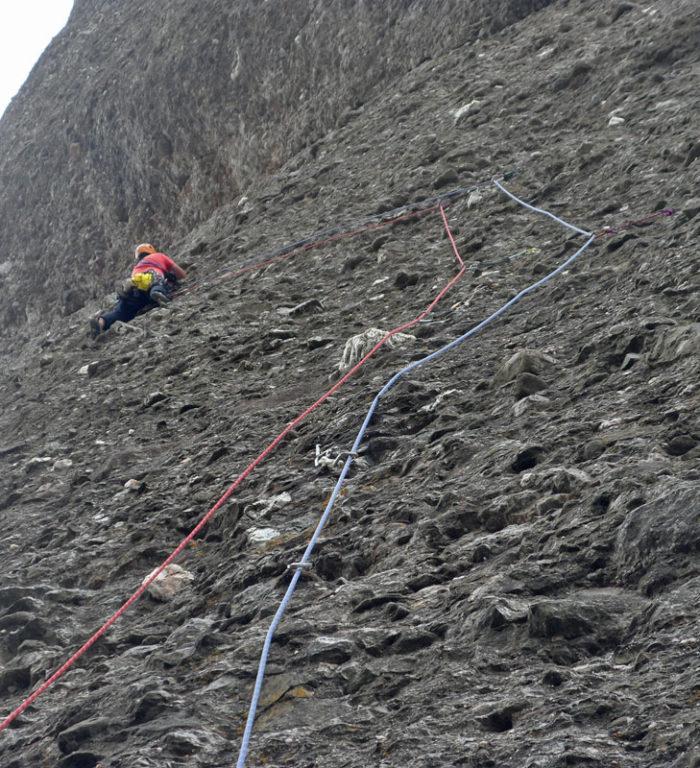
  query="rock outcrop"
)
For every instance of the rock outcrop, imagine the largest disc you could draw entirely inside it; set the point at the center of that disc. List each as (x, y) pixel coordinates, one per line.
(511, 570)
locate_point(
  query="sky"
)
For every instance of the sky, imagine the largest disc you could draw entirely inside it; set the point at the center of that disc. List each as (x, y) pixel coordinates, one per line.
(26, 28)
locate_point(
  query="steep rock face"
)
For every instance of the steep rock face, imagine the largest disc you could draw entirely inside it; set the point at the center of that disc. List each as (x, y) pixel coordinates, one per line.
(510, 573)
(144, 117)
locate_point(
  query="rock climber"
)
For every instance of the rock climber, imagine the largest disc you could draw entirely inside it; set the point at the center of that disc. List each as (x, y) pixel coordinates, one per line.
(152, 277)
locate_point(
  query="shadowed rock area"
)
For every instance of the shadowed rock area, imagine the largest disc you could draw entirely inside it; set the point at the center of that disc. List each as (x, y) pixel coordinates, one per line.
(511, 571)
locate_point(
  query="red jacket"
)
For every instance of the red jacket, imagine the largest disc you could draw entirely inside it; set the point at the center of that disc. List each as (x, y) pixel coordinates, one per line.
(158, 263)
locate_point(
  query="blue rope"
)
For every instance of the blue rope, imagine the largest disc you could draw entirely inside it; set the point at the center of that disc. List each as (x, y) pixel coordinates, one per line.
(321, 523)
(539, 210)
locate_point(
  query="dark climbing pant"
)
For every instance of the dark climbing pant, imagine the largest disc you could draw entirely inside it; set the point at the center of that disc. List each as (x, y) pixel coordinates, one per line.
(131, 303)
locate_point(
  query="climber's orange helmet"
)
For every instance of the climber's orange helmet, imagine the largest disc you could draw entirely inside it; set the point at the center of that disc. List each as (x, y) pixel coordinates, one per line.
(143, 250)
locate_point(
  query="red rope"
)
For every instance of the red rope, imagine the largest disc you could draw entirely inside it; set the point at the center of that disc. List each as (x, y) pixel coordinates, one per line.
(452, 240)
(232, 488)
(308, 247)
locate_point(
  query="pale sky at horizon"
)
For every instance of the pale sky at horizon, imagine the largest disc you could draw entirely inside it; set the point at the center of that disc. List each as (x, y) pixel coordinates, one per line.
(26, 29)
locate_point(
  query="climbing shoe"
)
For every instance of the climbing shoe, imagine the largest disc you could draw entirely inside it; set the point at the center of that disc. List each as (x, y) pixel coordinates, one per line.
(160, 298)
(95, 329)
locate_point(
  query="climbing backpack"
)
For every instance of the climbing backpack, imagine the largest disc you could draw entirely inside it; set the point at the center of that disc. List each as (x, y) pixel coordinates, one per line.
(142, 280)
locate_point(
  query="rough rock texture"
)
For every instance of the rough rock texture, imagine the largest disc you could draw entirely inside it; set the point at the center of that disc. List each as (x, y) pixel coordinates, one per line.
(510, 576)
(145, 117)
